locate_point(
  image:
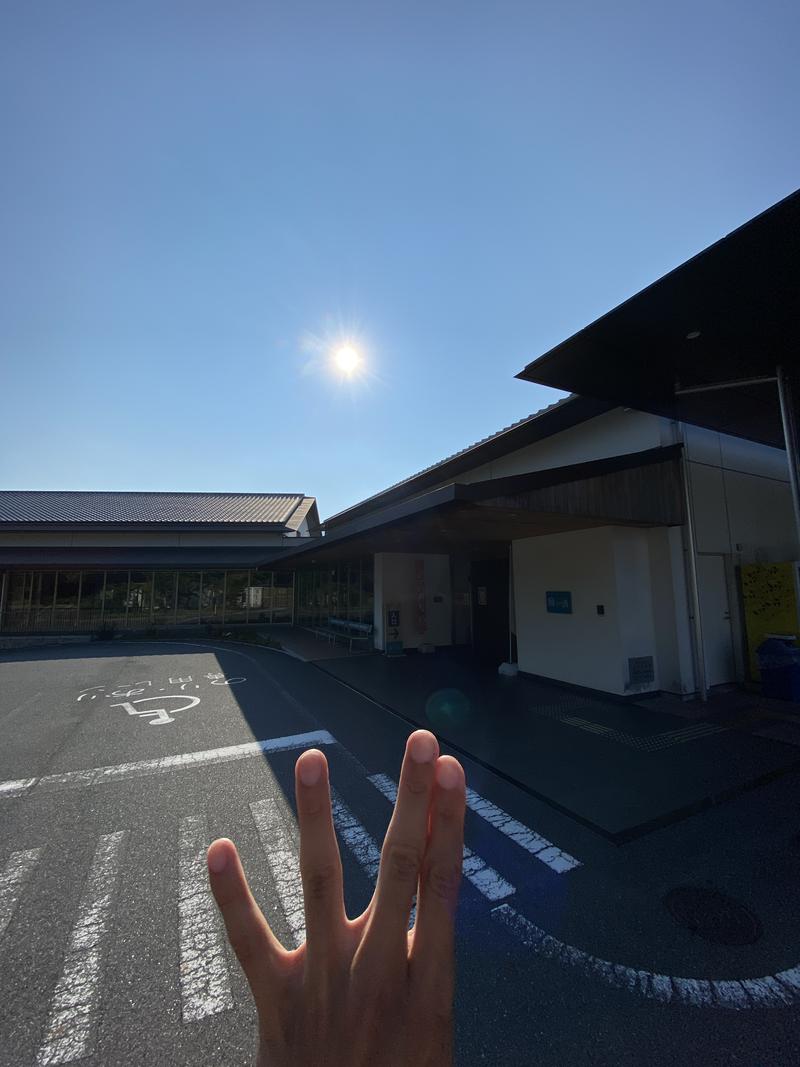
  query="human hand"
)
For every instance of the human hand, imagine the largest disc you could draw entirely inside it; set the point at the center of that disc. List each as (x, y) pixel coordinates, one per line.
(366, 990)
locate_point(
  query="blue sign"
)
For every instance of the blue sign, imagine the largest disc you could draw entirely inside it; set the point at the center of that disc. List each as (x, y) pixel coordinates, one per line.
(559, 603)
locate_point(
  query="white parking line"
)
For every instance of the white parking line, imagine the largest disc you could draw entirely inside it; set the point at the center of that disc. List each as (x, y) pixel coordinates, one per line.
(72, 1021)
(284, 863)
(147, 768)
(205, 984)
(15, 874)
(486, 879)
(555, 858)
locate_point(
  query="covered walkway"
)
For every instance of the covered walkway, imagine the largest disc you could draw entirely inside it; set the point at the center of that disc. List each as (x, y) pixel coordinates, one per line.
(616, 766)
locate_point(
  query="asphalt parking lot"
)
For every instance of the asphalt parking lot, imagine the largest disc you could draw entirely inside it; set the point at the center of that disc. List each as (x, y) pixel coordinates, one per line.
(121, 761)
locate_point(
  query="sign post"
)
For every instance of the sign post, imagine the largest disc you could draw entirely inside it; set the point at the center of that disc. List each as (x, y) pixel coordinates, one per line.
(393, 643)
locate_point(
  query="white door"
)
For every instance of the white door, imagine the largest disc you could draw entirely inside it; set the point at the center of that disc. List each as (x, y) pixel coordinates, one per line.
(716, 618)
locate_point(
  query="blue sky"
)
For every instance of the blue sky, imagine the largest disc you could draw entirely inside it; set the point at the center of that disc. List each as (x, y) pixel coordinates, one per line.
(198, 199)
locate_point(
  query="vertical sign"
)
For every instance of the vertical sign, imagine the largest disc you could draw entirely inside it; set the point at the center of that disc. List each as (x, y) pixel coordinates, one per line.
(393, 642)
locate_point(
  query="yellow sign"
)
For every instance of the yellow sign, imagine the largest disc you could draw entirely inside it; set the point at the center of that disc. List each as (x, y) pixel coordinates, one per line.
(769, 596)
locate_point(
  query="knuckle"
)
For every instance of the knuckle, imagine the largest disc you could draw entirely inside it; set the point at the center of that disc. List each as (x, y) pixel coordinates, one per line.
(403, 862)
(442, 881)
(321, 881)
(416, 785)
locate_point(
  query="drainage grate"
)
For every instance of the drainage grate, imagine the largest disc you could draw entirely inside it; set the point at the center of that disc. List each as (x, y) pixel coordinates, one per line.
(713, 916)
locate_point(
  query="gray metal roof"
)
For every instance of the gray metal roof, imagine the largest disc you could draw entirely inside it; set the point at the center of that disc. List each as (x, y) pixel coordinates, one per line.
(29, 507)
(566, 412)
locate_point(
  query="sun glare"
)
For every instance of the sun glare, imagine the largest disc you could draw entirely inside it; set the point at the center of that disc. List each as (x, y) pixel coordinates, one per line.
(346, 359)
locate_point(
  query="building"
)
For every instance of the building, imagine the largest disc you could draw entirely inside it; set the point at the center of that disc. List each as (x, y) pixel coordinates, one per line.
(640, 535)
(560, 544)
(74, 562)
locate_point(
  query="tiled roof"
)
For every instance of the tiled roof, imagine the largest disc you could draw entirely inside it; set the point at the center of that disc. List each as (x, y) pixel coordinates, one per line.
(78, 508)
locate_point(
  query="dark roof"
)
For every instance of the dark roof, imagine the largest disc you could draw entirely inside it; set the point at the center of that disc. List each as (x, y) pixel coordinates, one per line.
(563, 414)
(101, 559)
(274, 511)
(740, 297)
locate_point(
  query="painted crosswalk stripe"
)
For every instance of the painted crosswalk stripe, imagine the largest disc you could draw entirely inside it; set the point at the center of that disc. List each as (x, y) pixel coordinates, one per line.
(205, 983)
(486, 879)
(362, 845)
(358, 840)
(284, 864)
(545, 851)
(146, 768)
(16, 872)
(72, 1020)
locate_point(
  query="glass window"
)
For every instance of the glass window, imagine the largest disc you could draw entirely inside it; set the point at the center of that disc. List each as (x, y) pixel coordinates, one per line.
(164, 597)
(65, 615)
(91, 600)
(282, 597)
(212, 595)
(354, 590)
(236, 596)
(116, 598)
(188, 596)
(18, 600)
(140, 598)
(259, 596)
(367, 589)
(40, 609)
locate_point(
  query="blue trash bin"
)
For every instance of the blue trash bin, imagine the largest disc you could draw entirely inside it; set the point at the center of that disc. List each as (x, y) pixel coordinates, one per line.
(779, 664)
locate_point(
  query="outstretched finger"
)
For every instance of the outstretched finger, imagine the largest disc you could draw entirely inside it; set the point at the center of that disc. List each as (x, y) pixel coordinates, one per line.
(256, 947)
(320, 863)
(432, 947)
(404, 848)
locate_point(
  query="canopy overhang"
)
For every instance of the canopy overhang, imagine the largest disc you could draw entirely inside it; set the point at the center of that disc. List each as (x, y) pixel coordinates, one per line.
(480, 519)
(730, 314)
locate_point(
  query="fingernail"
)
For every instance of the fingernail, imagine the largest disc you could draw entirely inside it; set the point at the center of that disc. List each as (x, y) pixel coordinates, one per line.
(448, 774)
(217, 859)
(309, 767)
(422, 747)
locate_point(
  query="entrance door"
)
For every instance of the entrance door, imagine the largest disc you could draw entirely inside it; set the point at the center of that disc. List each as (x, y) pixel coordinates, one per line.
(716, 619)
(489, 580)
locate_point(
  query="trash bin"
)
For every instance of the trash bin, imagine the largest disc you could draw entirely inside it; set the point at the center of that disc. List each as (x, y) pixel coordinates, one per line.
(779, 664)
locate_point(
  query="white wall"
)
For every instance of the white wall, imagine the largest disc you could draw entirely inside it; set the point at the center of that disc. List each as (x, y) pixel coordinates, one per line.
(582, 648)
(609, 566)
(396, 586)
(673, 635)
(615, 433)
(741, 497)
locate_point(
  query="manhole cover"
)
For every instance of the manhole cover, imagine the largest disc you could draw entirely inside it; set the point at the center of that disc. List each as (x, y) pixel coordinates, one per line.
(713, 916)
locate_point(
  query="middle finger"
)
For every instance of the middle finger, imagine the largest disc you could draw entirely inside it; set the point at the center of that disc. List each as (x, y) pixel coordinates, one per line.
(404, 846)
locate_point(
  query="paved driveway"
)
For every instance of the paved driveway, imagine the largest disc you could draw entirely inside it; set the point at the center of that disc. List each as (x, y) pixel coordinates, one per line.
(120, 763)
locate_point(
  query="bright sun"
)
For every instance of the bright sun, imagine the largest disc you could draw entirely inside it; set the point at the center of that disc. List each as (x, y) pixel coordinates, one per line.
(346, 359)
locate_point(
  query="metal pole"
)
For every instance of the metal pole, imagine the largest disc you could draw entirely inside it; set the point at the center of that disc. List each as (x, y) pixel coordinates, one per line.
(3, 597)
(790, 438)
(694, 589)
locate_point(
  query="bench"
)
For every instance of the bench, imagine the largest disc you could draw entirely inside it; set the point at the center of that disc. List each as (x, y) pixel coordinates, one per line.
(346, 628)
